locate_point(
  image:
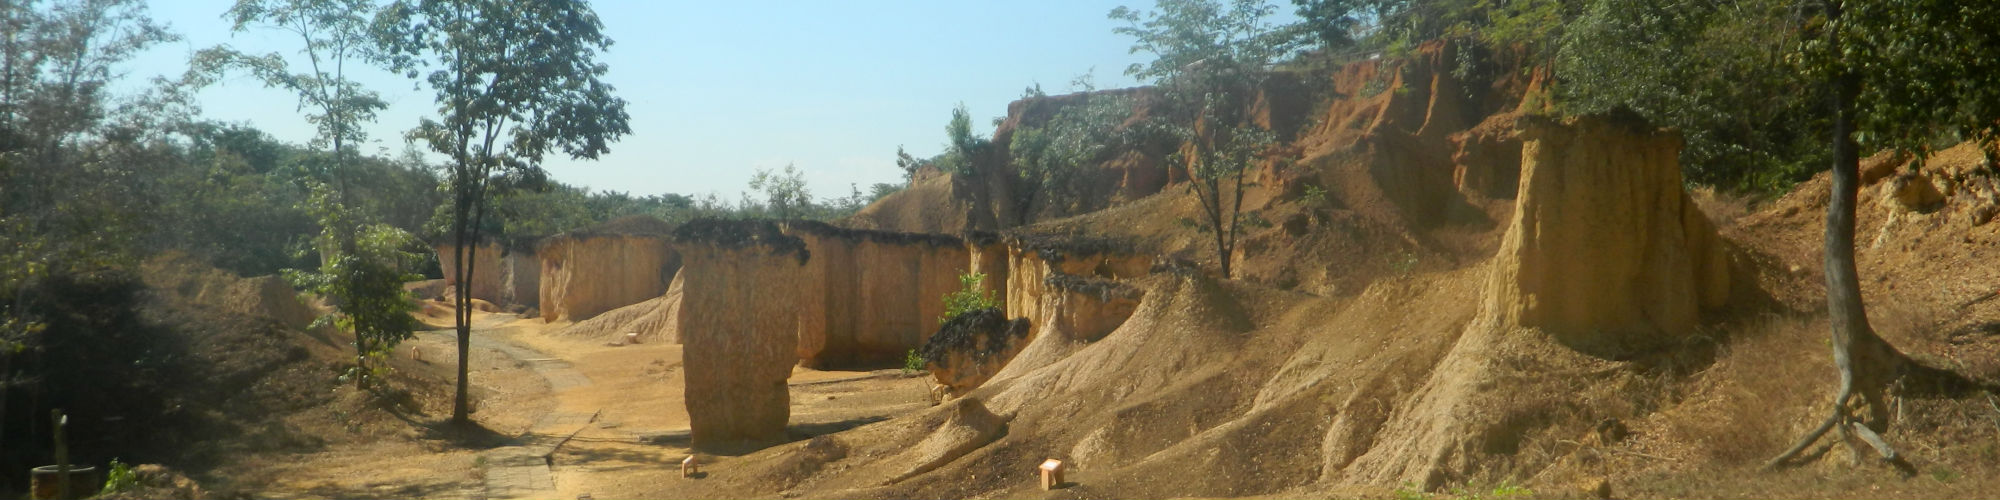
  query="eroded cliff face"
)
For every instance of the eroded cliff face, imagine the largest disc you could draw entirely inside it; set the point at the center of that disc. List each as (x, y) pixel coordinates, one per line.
(583, 276)
(1086, 308)
(739, 326)
(1078, 298)
(972, 347)
(977, 345)
(1029, 294)
(1581, 253)
(654, 320)
(869, 297)
(1606, 250)
(502, 275)
(989, 258)
(1606, 258)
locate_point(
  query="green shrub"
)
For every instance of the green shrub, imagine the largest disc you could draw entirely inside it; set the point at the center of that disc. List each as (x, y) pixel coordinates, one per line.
(913, 362)
(971, 295)
(119, 478)
(1315, 196)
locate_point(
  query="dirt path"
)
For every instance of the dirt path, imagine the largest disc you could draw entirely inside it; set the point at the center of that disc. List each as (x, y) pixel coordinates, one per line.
(569, 416)
(633, 448)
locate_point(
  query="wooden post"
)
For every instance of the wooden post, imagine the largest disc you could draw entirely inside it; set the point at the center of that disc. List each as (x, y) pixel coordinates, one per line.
(62, 455)
(690, 466)
(1052, 474)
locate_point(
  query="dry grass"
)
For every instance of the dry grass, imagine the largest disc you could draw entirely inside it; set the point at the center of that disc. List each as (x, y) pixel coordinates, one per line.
(1722, 208)
(1765, 388)
(1902, 321)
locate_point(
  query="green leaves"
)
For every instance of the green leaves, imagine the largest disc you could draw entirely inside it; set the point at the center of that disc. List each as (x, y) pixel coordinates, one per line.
(1203, 36)
(515, 80)
(363, 268)
(1742, 80)
(1713, 71)
(1212, 60)
(972, 295)
(1930, 70)
(1051, 158)
(785, 192)
(962, 147)
(333, 33)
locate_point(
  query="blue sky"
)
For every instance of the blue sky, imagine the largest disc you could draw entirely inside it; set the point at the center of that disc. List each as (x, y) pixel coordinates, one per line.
(717, 89)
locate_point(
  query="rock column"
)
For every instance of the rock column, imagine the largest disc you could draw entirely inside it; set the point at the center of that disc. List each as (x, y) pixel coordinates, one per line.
(740, 335)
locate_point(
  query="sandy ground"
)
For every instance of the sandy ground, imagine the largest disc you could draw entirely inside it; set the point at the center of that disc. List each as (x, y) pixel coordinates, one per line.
(629, 446)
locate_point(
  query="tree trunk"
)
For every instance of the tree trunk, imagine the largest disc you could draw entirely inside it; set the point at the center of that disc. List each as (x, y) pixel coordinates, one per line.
(475, 206)
(461, 302)
(1222, 250)
(1866, 363)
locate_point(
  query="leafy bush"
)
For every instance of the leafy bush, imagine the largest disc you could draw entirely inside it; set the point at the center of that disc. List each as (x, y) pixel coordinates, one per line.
(120, 478)
(364, 269)
(1051, 158)
(1315, 196)
(1752, 121)
(972, 295)
(963, 147)
(912, 362)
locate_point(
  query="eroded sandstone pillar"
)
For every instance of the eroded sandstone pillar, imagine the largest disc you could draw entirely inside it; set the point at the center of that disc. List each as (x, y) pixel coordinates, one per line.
(739, 330)
(1606, 251)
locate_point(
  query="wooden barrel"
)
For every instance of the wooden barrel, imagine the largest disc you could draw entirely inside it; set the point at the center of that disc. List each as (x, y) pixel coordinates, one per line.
(82, 482)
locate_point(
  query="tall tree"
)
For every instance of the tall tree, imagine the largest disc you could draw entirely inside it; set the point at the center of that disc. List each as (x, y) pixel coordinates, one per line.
(785, 193)
(57, 61)
(1211, 60)
(1903, 74)
(333, 35)
(1716, 72)
(515, 80)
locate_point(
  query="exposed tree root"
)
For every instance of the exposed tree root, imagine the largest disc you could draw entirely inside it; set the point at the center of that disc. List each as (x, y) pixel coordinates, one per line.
(1806, 442)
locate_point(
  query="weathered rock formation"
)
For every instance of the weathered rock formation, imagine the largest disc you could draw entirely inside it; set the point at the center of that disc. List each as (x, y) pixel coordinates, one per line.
(976, 345)
(619, 263)
(1606, 258)
(1488, 159)
(1033, 259)
(871, 296)
(972, 347)
(1606, 251)
(935, 204)
(739, 326)
(1086, 308)
(989, 258)
(967, 426)
(504, 275)
(654, 320)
